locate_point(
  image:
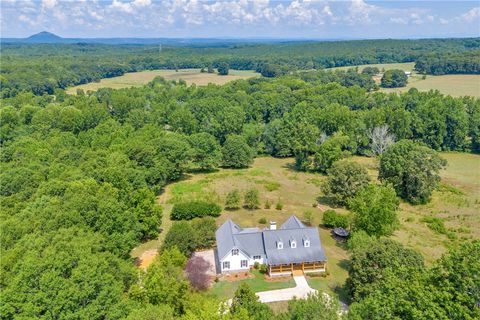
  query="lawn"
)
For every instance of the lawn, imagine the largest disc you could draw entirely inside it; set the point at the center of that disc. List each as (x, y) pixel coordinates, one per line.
(137, 79)
(226, 289)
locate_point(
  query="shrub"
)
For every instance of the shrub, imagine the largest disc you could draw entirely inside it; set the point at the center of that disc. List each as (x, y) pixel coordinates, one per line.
(252, 200)
(263, 268)
(332, 219)
(268, 204)
(256, 265)
(262, 220)
(194, 209)
(233, 200)
(279, 205)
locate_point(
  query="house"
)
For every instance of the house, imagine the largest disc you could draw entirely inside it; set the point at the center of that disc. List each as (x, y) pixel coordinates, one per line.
(293, 246)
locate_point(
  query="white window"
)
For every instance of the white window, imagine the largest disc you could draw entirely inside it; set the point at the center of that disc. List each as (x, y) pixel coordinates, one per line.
(279, 245)
(293, 244)
(306, 243)
(234, 252)
(257, 257)
(243, 263)
(226, 264)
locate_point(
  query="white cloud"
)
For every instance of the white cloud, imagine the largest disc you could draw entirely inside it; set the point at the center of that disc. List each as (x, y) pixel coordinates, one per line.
(122, 6)
(472, 15)
(49, 4)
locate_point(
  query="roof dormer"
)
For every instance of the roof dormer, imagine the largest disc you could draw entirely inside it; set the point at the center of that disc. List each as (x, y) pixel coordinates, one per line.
(306, 242)
(279, 245)
(293, 243)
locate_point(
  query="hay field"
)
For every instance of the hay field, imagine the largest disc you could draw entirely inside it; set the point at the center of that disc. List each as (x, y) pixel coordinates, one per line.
(456, 85)
(137, 79)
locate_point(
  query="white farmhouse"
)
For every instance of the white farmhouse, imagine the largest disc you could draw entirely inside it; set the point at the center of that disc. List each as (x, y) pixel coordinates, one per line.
(293, 246)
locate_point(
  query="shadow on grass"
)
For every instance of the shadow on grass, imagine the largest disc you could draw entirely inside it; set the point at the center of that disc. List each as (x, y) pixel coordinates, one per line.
(200, 170)
(327, 201)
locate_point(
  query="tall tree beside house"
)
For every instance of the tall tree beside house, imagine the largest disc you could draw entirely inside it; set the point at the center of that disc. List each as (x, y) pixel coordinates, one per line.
(399, 287)
(412, 169)
(373, 266)
(375, 210)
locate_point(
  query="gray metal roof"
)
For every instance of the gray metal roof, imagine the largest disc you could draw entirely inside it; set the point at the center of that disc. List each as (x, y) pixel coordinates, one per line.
(253, 241)
(293, 255)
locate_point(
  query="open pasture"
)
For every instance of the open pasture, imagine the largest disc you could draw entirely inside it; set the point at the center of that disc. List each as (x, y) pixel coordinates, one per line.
(137, 79)
(455, 85)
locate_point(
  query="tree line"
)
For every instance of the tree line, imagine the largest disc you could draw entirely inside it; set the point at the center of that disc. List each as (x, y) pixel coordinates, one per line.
(41, 68)
(467, 62)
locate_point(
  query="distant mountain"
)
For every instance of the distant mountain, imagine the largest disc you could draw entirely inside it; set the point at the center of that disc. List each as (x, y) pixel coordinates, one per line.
(48, 37)
(43, 37)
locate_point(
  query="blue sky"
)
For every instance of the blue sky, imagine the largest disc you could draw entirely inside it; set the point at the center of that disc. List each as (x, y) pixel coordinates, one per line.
(241, 18)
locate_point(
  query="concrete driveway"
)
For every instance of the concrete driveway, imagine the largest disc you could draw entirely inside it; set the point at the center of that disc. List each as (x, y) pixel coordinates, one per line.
(301, 291)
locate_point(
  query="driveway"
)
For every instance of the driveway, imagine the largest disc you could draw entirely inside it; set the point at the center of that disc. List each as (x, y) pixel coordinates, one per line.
(209, 257)
(301, 291)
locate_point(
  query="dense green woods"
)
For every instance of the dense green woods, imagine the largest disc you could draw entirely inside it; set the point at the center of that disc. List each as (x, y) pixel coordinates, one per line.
(447, 63)
(43, 68)
(80, 174)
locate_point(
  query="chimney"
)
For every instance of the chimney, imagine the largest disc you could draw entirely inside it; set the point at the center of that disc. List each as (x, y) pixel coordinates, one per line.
(273, 225)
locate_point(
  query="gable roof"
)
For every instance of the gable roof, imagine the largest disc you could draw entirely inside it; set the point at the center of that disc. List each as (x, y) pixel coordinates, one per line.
(230, 236)
(253, 241)
(292, 223)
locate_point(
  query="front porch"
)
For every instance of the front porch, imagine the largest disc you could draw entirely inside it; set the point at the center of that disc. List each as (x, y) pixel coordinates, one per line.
(304, 267)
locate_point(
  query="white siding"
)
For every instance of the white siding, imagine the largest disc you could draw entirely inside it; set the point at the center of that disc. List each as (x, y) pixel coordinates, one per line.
(235, 261)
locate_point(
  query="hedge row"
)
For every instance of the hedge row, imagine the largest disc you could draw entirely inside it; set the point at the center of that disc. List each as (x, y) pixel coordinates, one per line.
(194, 209)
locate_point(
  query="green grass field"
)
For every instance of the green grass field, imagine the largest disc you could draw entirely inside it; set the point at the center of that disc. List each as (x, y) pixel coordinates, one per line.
(137, 79)
(456, 85)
